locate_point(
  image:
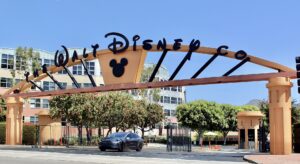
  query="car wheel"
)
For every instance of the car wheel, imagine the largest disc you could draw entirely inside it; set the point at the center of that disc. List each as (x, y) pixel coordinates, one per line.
(121, 148)
(139, 148)
(102, 149)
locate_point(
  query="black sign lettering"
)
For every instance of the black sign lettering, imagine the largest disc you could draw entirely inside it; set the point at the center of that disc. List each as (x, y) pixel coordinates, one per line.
(135, 38)
(75, 56)
(117, 46)
(147, 44)
(44, 68)
(240, 55)
(162, 44)
(95, 47)
(60, 59)
(177, 44)
(36, 73)
(26, 74)
(84, 54)
(219, 50)
(194, 45)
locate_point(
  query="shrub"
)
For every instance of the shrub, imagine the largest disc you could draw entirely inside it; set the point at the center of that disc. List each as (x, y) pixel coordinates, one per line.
(161, 139)
(29, 135)
(2, 133)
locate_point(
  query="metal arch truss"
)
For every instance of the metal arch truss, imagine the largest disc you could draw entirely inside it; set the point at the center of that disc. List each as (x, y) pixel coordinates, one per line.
(17, 90)
(159, 84)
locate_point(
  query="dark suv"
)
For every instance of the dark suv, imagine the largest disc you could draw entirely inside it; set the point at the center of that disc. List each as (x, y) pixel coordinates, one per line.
(122, 141)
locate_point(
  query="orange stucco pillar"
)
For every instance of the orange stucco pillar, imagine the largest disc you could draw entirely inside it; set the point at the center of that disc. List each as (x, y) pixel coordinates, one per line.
(14, 121)
(280, 115)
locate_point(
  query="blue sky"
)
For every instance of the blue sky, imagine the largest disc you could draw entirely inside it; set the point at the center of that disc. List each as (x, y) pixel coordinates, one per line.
(267, 29)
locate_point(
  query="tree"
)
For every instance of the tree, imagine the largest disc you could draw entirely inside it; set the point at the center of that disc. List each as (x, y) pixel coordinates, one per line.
(133, 116)
(151, 114)
(113, 105)
(295, 113)
(126, 105)
(249, 108)
(59, 107)
(264, 108)
(201, 115)
(81, 114)
(26, 61)
(97, 108)
(2, 110)
(76, 109)
(230, 119)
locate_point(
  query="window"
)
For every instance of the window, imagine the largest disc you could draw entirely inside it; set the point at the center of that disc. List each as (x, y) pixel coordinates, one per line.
(48, 86)
(20, 63)
(135, 135)
(77, 70)
(130, 135)
(63, 84)
(179, 89)
(173, 100)
(62, 72)
(179, 100)
(173, 112)
(17, 80)
(86, 85)
(167, 88)
(34, 119)
(48, 62)
(91, 68)
(7, 61)
(40, 61)
(162, 99)
(167, 112)
(45, 103)
(174, 89)
(6, 82)
(35, 103)
(37, 83)
(134, 92)
(74, 86)
(166, 99)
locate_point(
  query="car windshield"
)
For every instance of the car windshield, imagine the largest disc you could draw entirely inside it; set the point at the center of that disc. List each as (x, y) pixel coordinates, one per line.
(117, 135)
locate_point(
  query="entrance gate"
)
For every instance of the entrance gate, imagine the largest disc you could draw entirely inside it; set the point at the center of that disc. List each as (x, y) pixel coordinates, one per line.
(121, 67)
(178, 139)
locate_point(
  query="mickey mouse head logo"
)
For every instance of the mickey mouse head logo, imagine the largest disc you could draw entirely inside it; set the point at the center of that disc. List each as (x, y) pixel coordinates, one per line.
(118, 68)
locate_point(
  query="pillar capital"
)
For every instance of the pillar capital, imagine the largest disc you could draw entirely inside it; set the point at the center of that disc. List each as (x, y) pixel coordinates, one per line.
(279, 81)
(14, 100)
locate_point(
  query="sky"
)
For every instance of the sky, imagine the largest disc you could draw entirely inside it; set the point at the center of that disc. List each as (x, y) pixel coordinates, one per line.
(266, 29)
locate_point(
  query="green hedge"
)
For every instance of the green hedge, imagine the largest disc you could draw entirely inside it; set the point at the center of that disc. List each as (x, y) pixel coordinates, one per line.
(2, 133)
(29, 135)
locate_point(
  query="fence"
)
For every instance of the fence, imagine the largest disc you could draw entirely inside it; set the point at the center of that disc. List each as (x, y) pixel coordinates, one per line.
(178, 139)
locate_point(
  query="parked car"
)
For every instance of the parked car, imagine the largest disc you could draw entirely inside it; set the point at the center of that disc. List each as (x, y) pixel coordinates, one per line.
(122, 141)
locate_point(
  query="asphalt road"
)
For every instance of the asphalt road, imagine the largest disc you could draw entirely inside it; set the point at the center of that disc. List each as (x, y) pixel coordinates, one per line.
(94, 156)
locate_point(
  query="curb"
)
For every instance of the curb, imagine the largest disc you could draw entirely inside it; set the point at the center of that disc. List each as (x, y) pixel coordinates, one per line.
(249, 160)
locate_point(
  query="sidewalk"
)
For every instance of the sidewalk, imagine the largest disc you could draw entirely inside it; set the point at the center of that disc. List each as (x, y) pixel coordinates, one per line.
(273, 159)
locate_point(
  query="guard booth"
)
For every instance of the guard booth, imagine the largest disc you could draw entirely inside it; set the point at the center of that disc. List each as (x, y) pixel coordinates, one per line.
(248, 126)
(49, 130)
